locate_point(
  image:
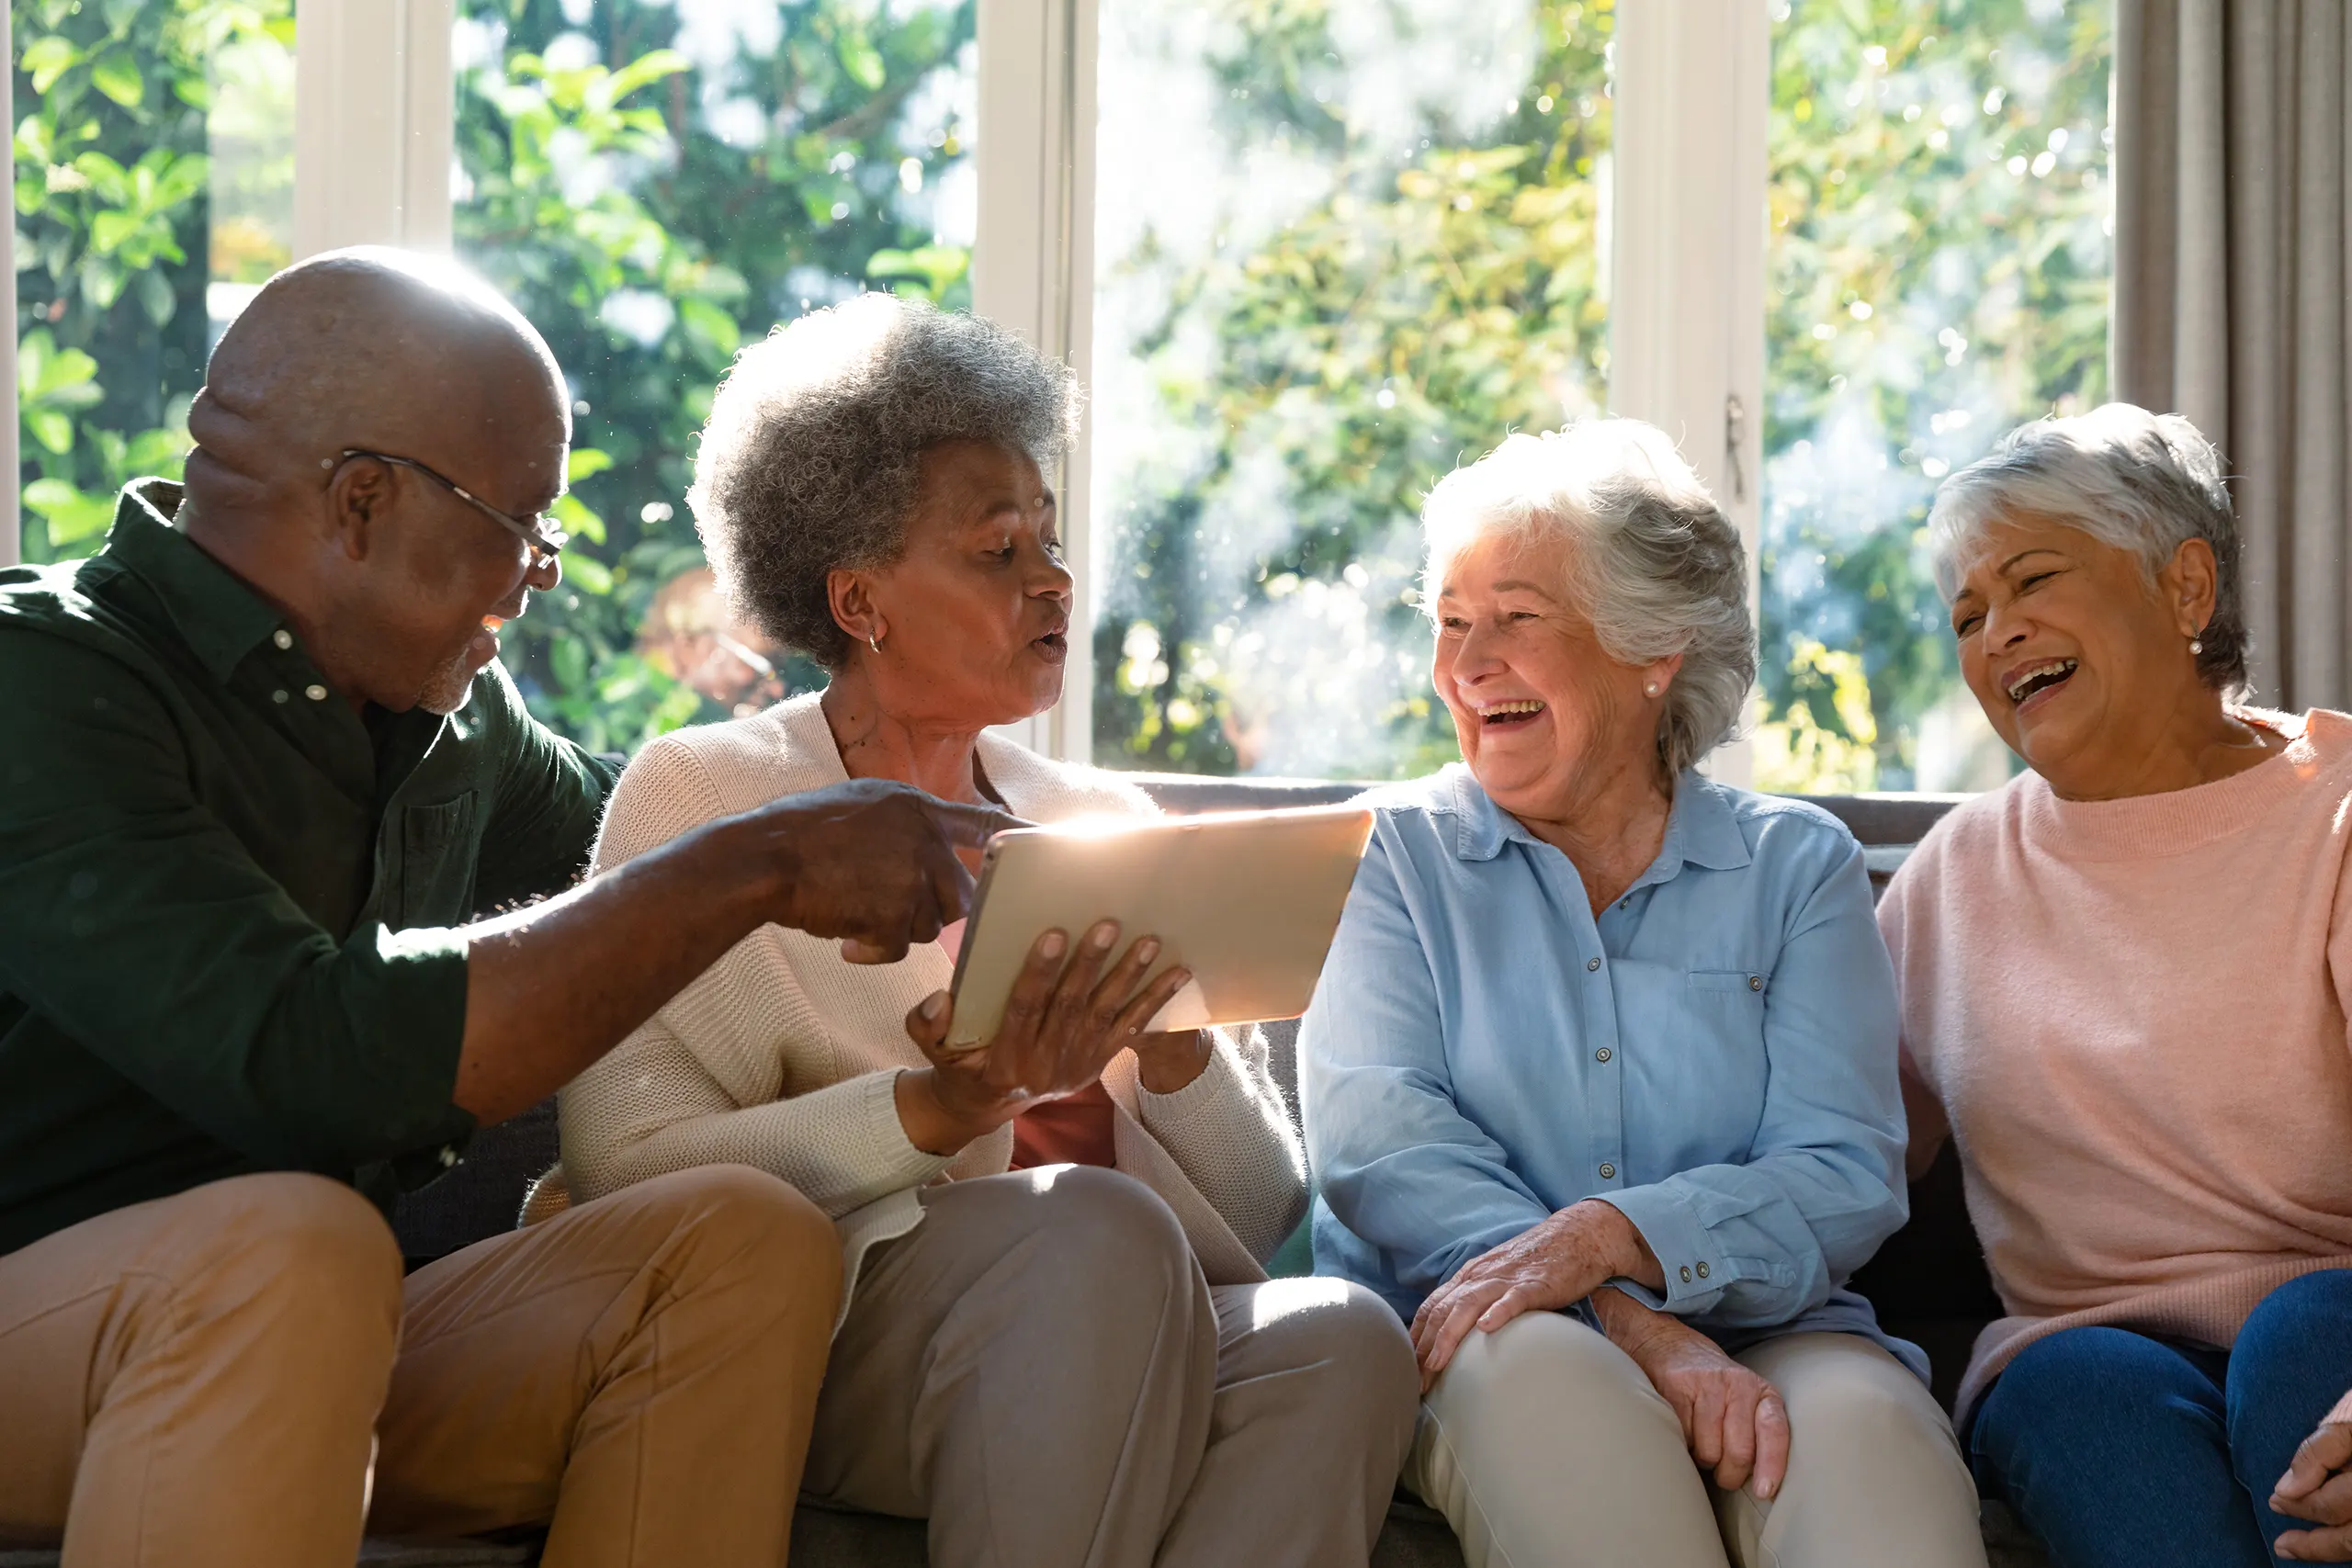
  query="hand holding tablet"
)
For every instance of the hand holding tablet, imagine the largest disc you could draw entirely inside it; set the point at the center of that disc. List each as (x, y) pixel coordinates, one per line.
(1065, 1017)
(1248, 902)
(1230, 916)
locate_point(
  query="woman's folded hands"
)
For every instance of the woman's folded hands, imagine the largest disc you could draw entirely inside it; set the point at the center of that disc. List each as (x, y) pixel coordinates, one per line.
(2317, 1487)
(1062, 1024)
(1732, 1421)
(1548, 1265)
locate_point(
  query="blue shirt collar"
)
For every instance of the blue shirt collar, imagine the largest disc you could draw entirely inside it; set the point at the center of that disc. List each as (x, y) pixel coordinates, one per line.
(1699, 829)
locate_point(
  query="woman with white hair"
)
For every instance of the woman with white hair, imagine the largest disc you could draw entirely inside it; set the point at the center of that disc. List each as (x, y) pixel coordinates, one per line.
(2125, 978)
(1600, 1080)
(1058, 1344)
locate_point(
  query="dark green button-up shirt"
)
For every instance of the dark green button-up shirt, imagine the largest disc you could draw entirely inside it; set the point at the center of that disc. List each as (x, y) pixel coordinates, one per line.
(226, 895)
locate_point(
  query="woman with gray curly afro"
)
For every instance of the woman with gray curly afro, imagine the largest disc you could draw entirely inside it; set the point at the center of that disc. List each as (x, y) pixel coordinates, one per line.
(1070, 1352)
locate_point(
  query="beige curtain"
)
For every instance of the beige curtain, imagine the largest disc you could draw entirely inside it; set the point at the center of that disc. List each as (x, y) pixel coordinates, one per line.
(2233, 230)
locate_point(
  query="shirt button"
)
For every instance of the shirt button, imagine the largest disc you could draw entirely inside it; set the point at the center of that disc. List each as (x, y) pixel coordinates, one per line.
(1686, 1273)
(1591, 965)
(448, 1157)
(279, 696)
(1703, 1270)
(1601, 1054)
(1608, 1172)
(282, 638)
(1756, 982)
(315, 691)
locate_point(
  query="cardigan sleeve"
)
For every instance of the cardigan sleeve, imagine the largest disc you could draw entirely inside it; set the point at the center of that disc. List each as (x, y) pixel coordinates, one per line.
(697, 1084)
(1230, 1134)
(650, 1108)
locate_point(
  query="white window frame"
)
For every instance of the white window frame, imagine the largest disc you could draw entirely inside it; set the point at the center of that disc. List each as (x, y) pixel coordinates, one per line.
(11, 476)
(375, 111)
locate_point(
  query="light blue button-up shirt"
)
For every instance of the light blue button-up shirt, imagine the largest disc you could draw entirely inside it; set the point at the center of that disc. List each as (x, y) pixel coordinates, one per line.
(1716, 1056)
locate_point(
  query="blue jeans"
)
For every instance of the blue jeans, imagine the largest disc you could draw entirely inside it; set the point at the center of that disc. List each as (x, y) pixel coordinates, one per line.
(2120, 1451)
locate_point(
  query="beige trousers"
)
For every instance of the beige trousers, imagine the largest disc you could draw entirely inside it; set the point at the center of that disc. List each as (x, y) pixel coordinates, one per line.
(197, 1381)
(1040, 1370)
(1545, 1447)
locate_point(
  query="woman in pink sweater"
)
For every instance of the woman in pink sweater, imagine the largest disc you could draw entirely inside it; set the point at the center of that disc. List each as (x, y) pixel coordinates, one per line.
(2125, 980)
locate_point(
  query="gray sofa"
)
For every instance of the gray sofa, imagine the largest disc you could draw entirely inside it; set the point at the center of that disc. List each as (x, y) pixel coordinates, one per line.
(1928, 1282)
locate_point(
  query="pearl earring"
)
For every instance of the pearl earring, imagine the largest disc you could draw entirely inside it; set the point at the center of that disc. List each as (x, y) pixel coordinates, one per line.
(2196, 645)
(1650, 690)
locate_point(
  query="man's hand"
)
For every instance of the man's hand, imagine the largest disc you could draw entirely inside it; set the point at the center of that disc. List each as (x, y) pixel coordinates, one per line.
(1545, 1267)
(1061, 1026)
(871, 861)
(551, 987)
(1732, 1421)
(2318, 1487)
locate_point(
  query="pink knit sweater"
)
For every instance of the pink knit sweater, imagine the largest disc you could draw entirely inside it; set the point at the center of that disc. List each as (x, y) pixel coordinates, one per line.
(2130, 1014)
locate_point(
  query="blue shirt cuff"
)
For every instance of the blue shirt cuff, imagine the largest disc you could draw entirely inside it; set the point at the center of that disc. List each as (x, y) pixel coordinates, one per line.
(1695, 1266)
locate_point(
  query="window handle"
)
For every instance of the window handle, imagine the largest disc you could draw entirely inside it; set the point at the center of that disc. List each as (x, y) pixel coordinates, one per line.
(1734, 440)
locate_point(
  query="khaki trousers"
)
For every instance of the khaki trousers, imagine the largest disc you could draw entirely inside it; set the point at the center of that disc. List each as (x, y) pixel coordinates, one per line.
(197, 1381)
(1545, 1447)
(1040, 1370)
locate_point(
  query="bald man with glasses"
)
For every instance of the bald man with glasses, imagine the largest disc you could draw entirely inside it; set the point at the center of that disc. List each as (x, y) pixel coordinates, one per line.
(289, 905)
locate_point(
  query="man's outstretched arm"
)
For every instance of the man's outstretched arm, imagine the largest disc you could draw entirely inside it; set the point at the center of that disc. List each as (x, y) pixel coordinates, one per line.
(552, 987)
(137, 924)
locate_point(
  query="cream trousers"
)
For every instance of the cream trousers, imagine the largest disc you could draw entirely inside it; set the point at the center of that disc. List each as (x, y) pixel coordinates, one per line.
(198, 1382)
(1545, 1447)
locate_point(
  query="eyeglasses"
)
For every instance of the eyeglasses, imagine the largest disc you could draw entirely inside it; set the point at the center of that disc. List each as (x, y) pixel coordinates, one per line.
(545, 539)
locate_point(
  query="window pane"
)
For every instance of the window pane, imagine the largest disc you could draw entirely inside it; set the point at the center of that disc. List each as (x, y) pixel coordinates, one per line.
(1341, 246)
(155, 176)
(1938, 268)
(653, 182)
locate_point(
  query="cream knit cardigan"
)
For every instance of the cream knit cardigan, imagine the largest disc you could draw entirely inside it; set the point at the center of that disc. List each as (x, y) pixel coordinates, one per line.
(784, 1058)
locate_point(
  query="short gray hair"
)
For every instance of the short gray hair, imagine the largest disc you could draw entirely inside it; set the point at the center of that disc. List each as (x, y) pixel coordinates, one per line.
(813, 452)
(2140, 481)
(1650, 558)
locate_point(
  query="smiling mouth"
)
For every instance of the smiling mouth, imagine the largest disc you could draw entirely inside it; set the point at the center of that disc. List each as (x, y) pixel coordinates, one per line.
(1504, 716)
(2026, 685)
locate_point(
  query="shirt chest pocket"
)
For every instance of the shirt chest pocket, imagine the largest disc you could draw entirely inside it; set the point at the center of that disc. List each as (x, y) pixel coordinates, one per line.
(436, 863)
(1693, 1042)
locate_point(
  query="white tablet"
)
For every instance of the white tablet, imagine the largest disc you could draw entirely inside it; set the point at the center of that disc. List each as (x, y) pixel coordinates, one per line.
(1248, 901)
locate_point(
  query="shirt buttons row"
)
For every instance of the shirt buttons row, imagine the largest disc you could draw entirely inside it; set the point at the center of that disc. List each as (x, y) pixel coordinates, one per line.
(1686, 1272)
(315, 691)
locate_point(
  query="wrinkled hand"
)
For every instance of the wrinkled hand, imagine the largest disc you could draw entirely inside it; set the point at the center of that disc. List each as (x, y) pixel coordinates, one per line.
(1062, 1024)
(872, 862)
(1554, 1264)
(2318, 1487)
(1732, 1421)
